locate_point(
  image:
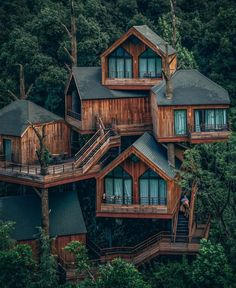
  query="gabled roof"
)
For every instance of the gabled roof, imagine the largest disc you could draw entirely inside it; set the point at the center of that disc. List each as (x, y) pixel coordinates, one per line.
(65, 214)
(154, 38)
(145, 34)
(155, 152)
(147, 148)
(190, 87)
(15, 116)
(88, 83)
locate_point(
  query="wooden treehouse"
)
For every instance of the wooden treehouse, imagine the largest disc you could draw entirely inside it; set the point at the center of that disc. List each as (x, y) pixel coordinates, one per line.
(137, 136)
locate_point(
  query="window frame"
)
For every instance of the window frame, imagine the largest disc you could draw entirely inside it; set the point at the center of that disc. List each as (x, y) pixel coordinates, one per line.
(113, 177)
(186, 122)
(156, 57)
(149, 178)
(126, 55)
(203, 123)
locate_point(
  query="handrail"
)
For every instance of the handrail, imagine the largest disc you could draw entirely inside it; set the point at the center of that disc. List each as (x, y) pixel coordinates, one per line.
(74, 114)
(191, 210)
(207, 227)
(134, 253)
(87, 145)
(100, 123)
(103, 140)
(129, 200)
(207, 128)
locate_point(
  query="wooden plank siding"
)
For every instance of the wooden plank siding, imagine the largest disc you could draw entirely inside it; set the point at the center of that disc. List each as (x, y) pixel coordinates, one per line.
(164, 126)
(24, 147)
(58, 246)
(122, 111)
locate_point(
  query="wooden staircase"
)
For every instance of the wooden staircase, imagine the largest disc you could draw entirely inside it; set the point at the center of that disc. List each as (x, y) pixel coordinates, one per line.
(161, 243)
(182, 227)
(96, 147)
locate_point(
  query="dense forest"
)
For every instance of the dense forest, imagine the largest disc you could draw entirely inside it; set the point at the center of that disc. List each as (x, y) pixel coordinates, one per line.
(33, 34)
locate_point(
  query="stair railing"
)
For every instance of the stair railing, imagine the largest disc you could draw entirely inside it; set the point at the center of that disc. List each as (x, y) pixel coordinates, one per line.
(176, 213)
(191, 211)
(80, 154)
(103, 140)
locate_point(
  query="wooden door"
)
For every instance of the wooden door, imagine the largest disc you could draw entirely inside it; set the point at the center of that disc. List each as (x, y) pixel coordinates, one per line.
(7, 147)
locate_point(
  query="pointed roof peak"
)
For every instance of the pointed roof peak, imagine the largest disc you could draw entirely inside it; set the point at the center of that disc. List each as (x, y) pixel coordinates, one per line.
(15, 116)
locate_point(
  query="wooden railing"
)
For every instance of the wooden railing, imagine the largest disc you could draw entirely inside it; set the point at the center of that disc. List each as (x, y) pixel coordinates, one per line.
(80, 154)
(136, 254)
(126, 200)
(36, 170)
(74, 114)
(191, 211)
(208, 128)
(96, 153)
(207, 228)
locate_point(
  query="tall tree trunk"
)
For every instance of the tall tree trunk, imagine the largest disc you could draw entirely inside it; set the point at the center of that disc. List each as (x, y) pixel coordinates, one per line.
(167, 75)
(73, 36)
(44, 211)
(173, 15)
(22, 82)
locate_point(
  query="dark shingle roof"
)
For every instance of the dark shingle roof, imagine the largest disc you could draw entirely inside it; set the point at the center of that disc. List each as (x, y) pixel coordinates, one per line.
(15, 116)
(156, 153)
(192, 88)
(154, 38)
(88, 83)
(65, 214)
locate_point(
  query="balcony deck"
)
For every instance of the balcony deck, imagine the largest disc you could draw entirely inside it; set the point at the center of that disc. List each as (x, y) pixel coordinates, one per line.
(208, 133)
(133, 211)
(58, 174)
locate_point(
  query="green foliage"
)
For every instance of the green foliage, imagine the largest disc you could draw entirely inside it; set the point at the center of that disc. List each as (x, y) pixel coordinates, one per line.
(17, 267)
(5, 239)
(118, 274)
(16, 261)
(47, 270)
(211, 268)
(80, 252)
(171, 275)
(186, 58)
(213, 168)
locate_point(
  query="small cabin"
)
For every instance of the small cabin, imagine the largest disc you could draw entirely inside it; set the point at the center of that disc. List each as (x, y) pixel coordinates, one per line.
(139, 183)
(136, 60)
(119, 91)
(197, 113)
(65, 220)
(126, 111)
(18, 141)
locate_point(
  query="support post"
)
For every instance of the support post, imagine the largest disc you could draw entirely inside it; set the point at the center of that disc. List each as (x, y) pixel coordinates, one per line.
(45, 211)
(171, 153)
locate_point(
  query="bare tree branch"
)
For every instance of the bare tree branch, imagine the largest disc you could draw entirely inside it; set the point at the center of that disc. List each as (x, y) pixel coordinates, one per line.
(71, 57)
(67, 30)
(29, 90)
(68, 68)
(37, 192)
(12, 94)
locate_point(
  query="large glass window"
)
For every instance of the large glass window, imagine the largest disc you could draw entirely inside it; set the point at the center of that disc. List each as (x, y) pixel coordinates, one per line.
(180, 122)
(118, 187)
(120, 64)
(150, 65)
(152, 189)
(210, 120)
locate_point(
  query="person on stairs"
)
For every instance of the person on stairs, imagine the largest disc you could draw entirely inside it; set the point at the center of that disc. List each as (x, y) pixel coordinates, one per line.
(184, 207)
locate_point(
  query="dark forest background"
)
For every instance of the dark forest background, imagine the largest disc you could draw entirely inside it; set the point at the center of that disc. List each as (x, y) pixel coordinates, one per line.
(32, 34)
